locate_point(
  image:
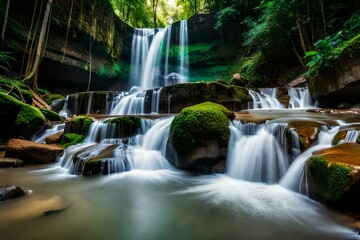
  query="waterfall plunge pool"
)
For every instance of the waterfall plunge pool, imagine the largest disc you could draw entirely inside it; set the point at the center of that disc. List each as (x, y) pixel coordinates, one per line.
(161, 204)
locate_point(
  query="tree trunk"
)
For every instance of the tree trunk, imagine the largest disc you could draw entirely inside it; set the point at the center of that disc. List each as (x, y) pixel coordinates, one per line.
(67, 30)
(323, 16)
(5, 22)
(31, 78)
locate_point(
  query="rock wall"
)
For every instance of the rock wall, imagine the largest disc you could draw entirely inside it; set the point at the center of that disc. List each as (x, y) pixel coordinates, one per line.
(93, 24)
(338, 84)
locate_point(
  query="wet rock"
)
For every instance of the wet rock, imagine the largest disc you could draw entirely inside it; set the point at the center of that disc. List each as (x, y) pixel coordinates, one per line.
(355, 107)
(334, 176)
(54, 138)
(344, 105)
(10, 191)
(32, 151)
(199, 137)
(307, 132)
(11, 163)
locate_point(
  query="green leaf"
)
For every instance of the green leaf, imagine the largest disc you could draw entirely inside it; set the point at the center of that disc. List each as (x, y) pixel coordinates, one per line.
(311, 53)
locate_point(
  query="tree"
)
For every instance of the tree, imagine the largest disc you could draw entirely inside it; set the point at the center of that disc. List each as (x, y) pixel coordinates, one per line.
(31, 78)
(5, 22)
(154, 7)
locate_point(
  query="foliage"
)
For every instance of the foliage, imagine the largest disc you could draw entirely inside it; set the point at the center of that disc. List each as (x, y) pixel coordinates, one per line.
(197, 125)
(15, 88)
(110, 70)
(4, 60)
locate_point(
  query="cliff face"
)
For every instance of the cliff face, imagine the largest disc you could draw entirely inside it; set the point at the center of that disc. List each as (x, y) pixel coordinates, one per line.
(93, 28)
(340, 83)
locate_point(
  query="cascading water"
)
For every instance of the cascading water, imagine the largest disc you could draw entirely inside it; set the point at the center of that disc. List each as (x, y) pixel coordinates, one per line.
(259, 153)
(265, 99)
(300, 98)
(151, 67)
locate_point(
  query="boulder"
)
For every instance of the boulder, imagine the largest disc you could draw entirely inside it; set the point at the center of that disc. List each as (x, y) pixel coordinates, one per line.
(32, 151)
(199, 137)
(334, 174)
(18, 119)
(10, 191)
(54, 138)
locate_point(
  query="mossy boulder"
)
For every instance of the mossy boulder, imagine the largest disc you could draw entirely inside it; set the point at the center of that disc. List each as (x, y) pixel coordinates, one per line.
(334, 175)
(199, 136)
(123, 127)
(18, 119)
(50, 115)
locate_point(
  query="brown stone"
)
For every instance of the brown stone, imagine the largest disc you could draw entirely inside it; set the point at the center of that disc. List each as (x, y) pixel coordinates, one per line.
(32, 151)
(54, 138)
(10, 163)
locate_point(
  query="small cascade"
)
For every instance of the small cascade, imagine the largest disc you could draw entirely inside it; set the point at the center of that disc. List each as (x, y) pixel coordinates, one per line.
(266, 98)
(41, 136)
(131, 104)
(351, 136)
(259, 157)
(294, 178)
(144, 150)
(300, 98)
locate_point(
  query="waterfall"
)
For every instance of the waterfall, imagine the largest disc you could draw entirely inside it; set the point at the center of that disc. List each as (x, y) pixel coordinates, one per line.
(139, 52)
(294, 178)
(265, 99)
(184, 58)
(151, 66)
(259, 154)
(300, 98)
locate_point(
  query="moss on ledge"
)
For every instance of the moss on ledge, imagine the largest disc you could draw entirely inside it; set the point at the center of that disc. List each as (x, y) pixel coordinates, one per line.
(70, 139)
(81, 125)
(198, 125)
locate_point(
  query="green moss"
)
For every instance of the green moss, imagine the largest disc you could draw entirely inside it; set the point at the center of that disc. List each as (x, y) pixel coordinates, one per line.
(92, 167)
(29, 115)
(82, 124)
(124, 120)
(52, 97)
(333, 178)
(195, 126)
(70, 139)
(51, 115)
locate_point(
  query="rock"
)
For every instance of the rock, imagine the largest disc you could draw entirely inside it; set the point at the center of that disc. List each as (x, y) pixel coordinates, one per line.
(10, 191)
(54, 138)
(340, 83)
(334, 174)
(124, 127)
(238, 80)
(18, 119)
(32, 151)
(11, 163)
(344, 105)
(307, 132)
(355, 107)
(99, 159)
(199, 136)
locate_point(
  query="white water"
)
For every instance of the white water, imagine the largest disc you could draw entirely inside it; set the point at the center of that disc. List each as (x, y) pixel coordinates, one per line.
(300, 98)
(265, 99)
(294, 178)
(260, 156)
(184, 57)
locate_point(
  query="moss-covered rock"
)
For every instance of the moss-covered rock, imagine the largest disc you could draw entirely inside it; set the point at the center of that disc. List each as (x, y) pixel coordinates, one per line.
(18, 119)
(199, 135)
(51, 115)
(334, 175)
(79, 125)
(70, 139)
